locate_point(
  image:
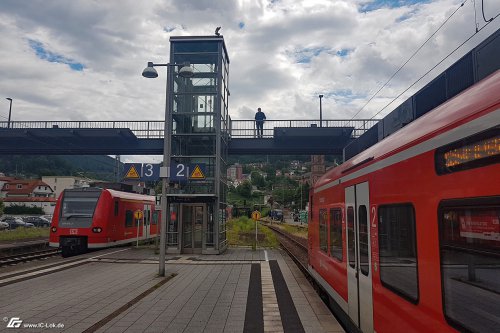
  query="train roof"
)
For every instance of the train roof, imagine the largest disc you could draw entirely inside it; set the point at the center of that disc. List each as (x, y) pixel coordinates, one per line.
(465, 106)
(130, 196)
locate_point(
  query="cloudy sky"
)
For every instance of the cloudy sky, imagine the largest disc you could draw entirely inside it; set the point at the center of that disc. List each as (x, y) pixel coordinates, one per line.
(82, 59)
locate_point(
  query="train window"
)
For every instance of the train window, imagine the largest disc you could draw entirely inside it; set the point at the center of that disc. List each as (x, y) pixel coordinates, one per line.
(398, 250)
(129, 218)
(116, 208)
(154, 220)
(351, 246)
(336, 233)
(469, 242)
(476, 151)
(323, 231)
(364, 265)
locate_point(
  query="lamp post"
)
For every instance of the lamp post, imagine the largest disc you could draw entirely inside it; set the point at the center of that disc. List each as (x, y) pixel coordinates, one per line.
(320, 112)
(149, 72)
(10, 111)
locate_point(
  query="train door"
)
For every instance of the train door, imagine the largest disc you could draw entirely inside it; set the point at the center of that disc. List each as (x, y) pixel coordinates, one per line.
(146, 228)
(115, 231)
(193, 217)
(359, 276)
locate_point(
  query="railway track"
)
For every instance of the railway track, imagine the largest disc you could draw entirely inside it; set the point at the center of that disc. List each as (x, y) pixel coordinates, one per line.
(28, 256)
(295, 246)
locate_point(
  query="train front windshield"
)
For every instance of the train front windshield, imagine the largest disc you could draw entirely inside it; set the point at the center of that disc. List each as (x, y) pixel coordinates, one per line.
(78, 208)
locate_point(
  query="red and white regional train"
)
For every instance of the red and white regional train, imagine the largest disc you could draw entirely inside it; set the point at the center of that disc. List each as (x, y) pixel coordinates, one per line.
(405, 236)
(91, 218)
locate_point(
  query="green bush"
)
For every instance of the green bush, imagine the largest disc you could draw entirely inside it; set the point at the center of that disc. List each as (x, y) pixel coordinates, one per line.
(21, 209)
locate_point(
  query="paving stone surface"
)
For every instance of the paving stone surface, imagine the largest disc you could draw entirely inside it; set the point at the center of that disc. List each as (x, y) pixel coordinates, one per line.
(208, 294)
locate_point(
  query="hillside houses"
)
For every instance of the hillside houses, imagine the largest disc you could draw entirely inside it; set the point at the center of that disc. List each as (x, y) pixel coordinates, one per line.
(27, 192)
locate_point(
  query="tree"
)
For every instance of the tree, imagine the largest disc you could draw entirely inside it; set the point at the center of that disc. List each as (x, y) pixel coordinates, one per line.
(245, 189)
(258, 180)
(1, 207)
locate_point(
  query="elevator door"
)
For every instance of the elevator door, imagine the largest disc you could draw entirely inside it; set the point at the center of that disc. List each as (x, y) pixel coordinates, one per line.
(193, 221)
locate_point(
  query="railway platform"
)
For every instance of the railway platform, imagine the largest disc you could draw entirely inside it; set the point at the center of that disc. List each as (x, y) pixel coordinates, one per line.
(118, 290)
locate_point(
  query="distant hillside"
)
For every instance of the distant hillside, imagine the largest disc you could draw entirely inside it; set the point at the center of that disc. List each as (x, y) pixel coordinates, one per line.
(36, 166)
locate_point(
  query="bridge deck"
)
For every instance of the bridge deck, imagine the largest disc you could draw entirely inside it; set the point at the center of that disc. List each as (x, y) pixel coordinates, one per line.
(146, 138)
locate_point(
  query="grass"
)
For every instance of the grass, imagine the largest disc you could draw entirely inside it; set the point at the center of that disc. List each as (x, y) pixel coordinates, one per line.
(241, 232)
(294, 230)
(23, 234)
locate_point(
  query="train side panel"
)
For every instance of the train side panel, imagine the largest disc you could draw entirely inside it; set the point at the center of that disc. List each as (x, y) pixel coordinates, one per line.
(111, 222)
(434, 225)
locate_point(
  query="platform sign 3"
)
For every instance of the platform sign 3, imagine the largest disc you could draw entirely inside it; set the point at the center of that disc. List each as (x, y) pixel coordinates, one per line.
(132, 171)
(150, 171)
(141, 171)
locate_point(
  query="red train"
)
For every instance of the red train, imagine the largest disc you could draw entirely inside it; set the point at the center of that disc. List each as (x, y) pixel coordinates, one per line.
(405, 236)
(90, 218)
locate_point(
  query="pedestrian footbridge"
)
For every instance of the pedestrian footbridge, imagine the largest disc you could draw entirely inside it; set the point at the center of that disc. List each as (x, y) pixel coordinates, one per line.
(281, 137)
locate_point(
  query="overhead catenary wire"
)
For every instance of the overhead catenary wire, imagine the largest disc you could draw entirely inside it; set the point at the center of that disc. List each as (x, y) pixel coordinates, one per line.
(484, 17)
(430, 70)
(406, 62)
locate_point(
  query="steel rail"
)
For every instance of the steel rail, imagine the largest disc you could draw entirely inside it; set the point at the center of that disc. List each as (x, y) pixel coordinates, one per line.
(28, 256)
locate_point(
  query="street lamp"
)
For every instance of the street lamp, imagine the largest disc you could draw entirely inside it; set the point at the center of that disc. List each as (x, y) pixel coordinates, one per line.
(320, 112)
(10, 111)
(149, 72)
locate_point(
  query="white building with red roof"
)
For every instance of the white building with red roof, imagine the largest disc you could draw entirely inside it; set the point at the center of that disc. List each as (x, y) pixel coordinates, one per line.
(27, 192)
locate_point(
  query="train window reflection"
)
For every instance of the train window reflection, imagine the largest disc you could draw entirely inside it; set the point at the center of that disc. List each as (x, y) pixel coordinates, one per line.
(129, 218)
(78, 207)
(364, 265)
(336, 233)
(351, 247)
(323, 231)
(398, 250)
(470, 262)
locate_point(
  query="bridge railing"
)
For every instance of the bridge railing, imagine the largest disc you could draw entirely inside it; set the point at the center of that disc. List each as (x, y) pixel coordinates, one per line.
(142, 129)
(247, 128)
(153, 129)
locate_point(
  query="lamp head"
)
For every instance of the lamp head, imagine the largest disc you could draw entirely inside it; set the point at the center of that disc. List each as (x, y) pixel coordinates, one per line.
(150, 72)
(186, 71)
(320, 96)
(10, 99)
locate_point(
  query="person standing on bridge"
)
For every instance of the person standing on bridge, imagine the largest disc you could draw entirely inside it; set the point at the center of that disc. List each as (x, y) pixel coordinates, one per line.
(260, 117)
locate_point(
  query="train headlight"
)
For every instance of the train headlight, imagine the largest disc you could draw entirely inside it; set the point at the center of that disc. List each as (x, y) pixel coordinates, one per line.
(97, 229)
(54, 229)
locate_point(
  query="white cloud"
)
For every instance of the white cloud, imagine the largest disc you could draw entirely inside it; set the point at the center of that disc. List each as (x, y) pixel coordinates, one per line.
(115, 39)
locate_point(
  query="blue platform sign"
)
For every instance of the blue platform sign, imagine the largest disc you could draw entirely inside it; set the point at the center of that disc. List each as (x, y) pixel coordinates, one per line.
(150, 172)
(132, 171)
(141, 171)
(182, 172)
(179, 172)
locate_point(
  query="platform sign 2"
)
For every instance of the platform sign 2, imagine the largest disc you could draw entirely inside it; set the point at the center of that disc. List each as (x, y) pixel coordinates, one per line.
(183, 172)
